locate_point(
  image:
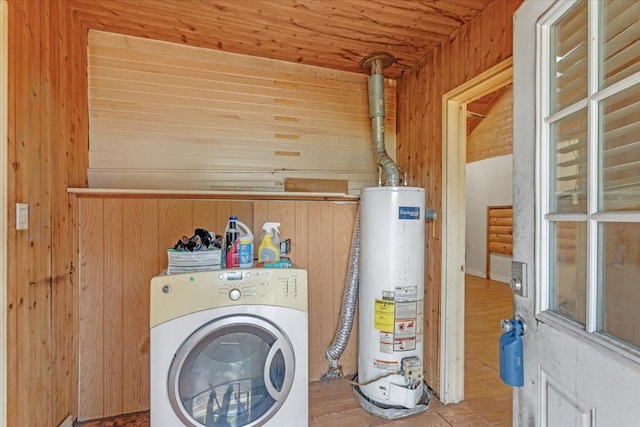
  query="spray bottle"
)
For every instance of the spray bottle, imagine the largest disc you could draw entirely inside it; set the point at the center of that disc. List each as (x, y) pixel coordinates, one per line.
(269, 248)
(245, 245)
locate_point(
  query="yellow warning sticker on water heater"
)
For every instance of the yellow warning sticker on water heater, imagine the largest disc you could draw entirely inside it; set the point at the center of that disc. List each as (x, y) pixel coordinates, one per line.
(384, 315)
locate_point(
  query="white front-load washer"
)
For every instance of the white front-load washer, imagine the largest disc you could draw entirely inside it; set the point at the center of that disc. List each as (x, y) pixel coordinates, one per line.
(229, 348)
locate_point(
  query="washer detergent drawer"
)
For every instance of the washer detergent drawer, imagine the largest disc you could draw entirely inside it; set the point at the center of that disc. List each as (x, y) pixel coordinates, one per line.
(234, 371)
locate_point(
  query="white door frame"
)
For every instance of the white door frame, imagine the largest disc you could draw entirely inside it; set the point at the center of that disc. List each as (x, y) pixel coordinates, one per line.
(4, 92)
(454, 153)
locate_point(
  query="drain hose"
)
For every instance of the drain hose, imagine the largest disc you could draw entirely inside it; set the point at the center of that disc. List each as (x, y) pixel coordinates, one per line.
(349, 301)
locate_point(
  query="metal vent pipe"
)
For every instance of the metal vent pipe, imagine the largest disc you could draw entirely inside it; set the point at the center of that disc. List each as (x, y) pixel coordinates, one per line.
(376, 63)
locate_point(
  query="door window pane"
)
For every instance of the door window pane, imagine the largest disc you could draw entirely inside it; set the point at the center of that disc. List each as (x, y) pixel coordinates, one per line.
(568, 147)
(568, 295)
(569, 58)
(620, 157)
(619, 314)
(620, 41)
(592, 122)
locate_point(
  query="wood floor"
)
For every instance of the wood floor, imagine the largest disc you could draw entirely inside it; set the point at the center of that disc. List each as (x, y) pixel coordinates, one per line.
(487, 399)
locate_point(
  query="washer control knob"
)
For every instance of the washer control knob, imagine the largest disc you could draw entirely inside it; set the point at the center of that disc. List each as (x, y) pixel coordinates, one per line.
(235, 294)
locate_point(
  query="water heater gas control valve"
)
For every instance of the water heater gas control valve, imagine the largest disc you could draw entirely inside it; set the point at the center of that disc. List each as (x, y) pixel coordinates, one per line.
(412, 368)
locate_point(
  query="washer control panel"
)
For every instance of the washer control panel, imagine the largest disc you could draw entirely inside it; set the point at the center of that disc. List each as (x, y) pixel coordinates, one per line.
(171, 294)
(255, 286)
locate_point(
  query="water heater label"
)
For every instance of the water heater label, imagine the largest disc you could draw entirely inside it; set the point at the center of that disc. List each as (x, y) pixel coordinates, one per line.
(408, 212)
(405, 326)
(386, 342)
(399, 323)
(384, 315)
(406, 293)
(388, 365)
(407, 344)
(405, 329)
(420, 320)
(406, 310)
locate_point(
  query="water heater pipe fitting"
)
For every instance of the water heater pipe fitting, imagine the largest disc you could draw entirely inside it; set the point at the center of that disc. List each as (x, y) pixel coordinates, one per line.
(376, 63)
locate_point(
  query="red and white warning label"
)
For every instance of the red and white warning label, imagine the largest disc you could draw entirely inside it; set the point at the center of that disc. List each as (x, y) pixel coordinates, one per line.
(399, 323)
(404, 344)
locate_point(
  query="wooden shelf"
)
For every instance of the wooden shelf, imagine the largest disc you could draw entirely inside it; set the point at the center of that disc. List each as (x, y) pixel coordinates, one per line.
(215, 195)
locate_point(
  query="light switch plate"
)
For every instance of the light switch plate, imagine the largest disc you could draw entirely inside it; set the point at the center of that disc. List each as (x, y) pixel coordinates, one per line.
(518, 278)
(22, 216)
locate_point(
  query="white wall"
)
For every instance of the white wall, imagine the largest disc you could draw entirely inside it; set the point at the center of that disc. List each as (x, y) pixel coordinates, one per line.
(488, 183)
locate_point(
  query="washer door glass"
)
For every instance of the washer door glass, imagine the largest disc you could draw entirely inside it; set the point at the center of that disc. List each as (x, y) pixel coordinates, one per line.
(235, 371)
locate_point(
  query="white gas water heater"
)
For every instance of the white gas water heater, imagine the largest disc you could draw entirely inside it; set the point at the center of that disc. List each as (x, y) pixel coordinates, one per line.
(386, 275)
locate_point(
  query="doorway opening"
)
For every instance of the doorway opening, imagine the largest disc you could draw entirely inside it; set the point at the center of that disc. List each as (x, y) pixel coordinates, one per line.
(454, 140)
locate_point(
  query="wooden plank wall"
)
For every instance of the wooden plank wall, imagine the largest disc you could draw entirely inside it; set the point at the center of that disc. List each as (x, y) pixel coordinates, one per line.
(123, 243)
(493, 136)
(168, 116)
(476, 47)
(4, 166)
(46, 156)
(499, 233)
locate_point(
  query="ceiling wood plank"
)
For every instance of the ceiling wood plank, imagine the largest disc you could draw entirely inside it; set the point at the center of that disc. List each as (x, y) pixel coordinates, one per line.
(324, 33)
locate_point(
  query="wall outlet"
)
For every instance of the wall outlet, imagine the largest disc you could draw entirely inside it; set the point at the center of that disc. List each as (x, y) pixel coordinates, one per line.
(22, 216)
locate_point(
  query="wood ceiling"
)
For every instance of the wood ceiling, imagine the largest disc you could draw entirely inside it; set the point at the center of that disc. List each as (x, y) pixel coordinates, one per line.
(334, 34)
(479, 108)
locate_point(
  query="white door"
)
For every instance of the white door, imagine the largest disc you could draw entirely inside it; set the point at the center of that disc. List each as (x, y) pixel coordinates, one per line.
(577, 211)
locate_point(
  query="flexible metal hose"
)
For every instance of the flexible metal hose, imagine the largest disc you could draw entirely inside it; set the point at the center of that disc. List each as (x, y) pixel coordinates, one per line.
(349, 301)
